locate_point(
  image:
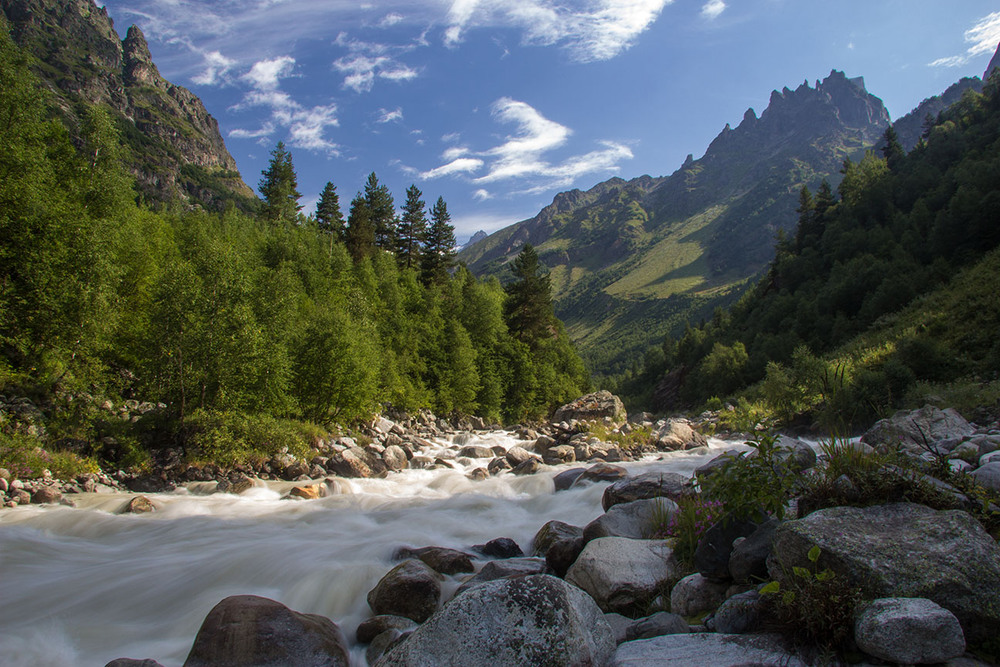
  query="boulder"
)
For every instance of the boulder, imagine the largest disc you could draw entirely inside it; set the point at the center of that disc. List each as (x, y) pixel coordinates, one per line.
(647, 485)
(694, 595)
(739, 614)
(908, 631)
(534, 620)
(711, 557)
(394, 458)
(246, 630)
(635, 519)
(619, 625)
(46, 494)
(138, 505)
(478, 474)
(659, 624)
(599, 406)
(498, 465)
(567, 478)
(517, 455)
(307, 492)
(383, 643)
(411, 589)
(902, 550)
(916, 430)
(700, 650)
(798, 454)
(349, 463)
(559, 454)
(476, 452)
(370, 628)
(603, 472)
(500, 547)
(560, 544)
(748, 561)
(507, 568)
(676, 434)
(439, 559)
(988, 476)
(624, 575)
(529, 467)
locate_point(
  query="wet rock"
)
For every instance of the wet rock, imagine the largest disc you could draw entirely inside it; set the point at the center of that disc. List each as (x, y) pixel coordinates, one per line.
(349, 464)
(309, 492)
(500, 547)
(624, 575)
(46, 494)
(295, 470)
(748, 561)
(370, 628)
(240, 484)
(908, 631)
(700, 650)
(659, 624)
(476, 452)
(498, 465)
(600, 406)
(635, 520)
(647, 485)
(505, 569)
(560, 544)
(394, 458)
(677, 434)
(694, 595)
(530, 620)
(559, 454)
(740, 614)
(542, 444)
(439, 559)
(246, 630)
(551, 533)
(567, 478)
(411, 589)
(529, 467)
(917, 430)
(603, 472)
(902, 550)
(384, 643)
(138, 505)
(517, 455)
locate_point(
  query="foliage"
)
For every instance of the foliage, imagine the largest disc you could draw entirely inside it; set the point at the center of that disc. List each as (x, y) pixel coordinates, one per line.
(279, 187)
(230, 438)
(814, 607)
(438, 256)
(753, 485)
(328, 216)
(694, 516)
(25, 458)
(634, 439)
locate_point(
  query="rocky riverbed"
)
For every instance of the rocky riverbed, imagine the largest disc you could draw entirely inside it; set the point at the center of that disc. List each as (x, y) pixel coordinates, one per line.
(460, 559)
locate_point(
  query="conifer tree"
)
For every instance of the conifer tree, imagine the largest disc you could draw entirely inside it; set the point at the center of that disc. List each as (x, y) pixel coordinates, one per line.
(439, 246)
(892, 151)
(328, 215)
(804, 233)
(360, 233)
(412, 229)
(382, 211)
(528, 309)
(279, 187)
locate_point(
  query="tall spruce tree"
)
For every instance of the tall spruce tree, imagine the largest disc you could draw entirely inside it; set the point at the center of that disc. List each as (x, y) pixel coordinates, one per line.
(439, 246)
(279, 187)
(528, 309)
(328, 215)
(382, 211)
(360, 233)
(412, 229)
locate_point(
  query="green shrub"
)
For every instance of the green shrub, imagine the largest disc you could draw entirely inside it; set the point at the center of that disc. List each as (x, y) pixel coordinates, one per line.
(694, 516)
(229, 438)
(637, 438)
(752, 486)
(25, 458)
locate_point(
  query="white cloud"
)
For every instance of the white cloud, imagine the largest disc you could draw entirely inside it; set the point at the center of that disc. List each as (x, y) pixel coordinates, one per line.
(368, 61)
(217, 66)
(712, 9)
(387, 116)
(983, 36)
(266, 74)
(481, 195)
(451, 137)
(521, 156)
(266, 130)
(596, 30)
(390, 20)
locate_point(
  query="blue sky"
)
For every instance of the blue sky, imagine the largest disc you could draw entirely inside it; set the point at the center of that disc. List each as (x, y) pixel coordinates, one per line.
(497, 105)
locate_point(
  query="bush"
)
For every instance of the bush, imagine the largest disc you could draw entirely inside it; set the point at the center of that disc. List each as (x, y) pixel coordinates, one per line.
(694, 516)
(24, 457)
(230, 438)
(753, 485)
(635, 440)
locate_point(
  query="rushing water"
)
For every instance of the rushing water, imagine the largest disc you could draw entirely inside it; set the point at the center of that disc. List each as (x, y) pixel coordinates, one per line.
(84, 585)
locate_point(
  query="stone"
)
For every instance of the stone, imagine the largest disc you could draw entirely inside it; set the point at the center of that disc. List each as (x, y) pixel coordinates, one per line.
(559, 454)
(307, 492)
(411, 589)
(603, 472)
(635, 519)
(908, 631)
(439, 559)
(505, 569)
(246, 630)
(598, 406)
(529, 467)
(129, 662)
(46, 494)
(916, 430)
(748, 561)
(567, 478)
(517, 455)
(138, 505)
(967, 452)
(476, 452)
(677, 434)
(739, 614)
(694, 595)
(383, 643)
(394, 458)
(619, 625)
(349, 464)
(988, 476)
(533, 620)
(498, 465)
(295, 470)
(560, 544)
(647, 485)
(799, 455)
(659, 624)
(478, 474)
(701, 650)
(711, 557)
(372, 627)
(902, 550)
(624, 575)
(542, 444)
(500, 547)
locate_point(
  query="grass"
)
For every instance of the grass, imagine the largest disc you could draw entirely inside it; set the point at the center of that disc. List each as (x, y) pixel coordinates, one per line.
(25, 458)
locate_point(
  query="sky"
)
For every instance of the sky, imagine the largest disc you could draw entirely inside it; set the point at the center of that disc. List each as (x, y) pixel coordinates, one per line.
(498, 105)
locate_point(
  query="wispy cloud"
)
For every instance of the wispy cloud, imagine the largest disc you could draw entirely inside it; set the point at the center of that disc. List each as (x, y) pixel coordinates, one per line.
(597, 30)
(482, 195)
(983, 37)
(367, 61)
(521, 157)
(387, 116)
(390, 20)
(217, 68)
(712, 9)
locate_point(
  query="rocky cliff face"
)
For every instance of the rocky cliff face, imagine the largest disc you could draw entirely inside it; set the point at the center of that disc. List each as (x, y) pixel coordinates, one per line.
(177, 152)
(631, 258)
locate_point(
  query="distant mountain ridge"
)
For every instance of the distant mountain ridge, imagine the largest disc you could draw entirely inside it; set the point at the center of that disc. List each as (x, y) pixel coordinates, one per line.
(629, 258)
(177, 152)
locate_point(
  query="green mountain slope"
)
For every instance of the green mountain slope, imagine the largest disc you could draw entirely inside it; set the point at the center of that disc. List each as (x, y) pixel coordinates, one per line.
(631, 260)
(176, 151)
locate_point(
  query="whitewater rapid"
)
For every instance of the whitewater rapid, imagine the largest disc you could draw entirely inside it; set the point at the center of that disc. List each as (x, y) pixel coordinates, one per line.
(84, 585)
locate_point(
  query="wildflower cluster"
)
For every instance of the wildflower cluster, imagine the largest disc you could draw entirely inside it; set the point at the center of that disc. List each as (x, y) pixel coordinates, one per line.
(694, 516)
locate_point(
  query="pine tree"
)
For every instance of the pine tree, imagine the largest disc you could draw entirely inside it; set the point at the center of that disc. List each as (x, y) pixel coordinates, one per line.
(328, 215)
(528, 309)
(807, 215)
(279, 187)
(382, 211)
(360, 233)
(439, 246)
(892, 151)
(412, 229)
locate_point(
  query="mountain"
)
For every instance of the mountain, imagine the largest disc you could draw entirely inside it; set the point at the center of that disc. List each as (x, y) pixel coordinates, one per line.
(910, 127)
(476, 238)
(630, 260)
(177, 153)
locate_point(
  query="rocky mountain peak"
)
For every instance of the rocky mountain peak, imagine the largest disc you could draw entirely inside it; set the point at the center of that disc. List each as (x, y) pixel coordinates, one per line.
(994, 63)
(139, 69)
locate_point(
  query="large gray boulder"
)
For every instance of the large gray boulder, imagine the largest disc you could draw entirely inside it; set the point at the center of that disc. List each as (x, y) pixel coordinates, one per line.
(701, 650)
(916, 430)
(533, 620)
(599, 406)
(507, 568)
(902, 550)
(635, 519)
(676, 434)
(624, 575)
(647, 485)
(251, 631)
(694, 595)
(911, 631)
(411, 589)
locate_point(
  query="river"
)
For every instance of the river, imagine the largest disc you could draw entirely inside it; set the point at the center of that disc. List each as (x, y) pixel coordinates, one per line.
(84, 585)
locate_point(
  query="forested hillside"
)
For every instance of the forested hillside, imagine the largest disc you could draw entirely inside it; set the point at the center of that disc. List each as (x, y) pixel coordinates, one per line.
(239, 327)
(884, 293)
